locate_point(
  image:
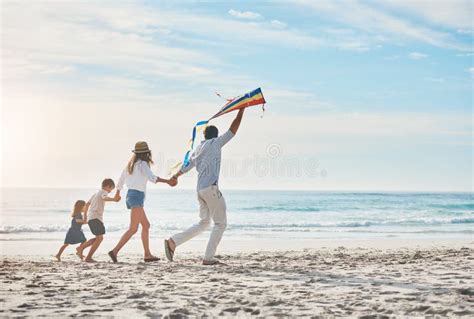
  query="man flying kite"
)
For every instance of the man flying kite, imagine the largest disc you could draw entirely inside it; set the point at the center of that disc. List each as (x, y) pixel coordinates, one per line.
(207, 160)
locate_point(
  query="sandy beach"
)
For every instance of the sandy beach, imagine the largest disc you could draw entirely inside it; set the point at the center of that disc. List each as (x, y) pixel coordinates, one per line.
(300, 159)
(325, 282)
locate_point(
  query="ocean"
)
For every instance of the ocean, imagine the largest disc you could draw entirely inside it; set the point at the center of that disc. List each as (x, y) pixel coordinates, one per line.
(43, 214)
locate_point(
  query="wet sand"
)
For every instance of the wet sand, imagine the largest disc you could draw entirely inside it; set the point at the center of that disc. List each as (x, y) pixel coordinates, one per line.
(357, 282)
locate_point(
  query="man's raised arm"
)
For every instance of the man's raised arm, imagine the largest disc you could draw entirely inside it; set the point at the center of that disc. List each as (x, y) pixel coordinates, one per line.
(234, 127)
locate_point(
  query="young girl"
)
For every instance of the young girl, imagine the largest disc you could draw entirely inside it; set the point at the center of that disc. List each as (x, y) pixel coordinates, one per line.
(74, 234)
(136, 175)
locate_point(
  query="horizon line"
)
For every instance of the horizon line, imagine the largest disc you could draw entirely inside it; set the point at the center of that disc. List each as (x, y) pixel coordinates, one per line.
(266, 190)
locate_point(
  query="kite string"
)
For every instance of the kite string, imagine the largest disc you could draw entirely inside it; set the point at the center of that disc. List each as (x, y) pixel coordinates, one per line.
(220, 95)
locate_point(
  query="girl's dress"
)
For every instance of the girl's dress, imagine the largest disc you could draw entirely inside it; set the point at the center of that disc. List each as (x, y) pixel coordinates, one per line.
(74, 234)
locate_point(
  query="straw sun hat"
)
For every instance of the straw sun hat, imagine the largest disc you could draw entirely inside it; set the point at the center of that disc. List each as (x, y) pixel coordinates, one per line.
(141, 147)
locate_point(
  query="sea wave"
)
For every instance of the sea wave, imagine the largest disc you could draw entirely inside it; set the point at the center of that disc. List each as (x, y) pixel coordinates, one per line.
(464, 206)
(446, 208)
(304, 226)
(280, 209)
(16, 229)
(5, 229)
(358, 224)
(462, 221)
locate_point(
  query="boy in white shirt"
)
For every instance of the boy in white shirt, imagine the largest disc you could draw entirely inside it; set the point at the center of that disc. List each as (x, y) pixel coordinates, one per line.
(94, 212)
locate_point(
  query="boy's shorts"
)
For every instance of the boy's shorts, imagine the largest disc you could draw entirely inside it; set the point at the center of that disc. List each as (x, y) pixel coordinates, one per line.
(96, 226)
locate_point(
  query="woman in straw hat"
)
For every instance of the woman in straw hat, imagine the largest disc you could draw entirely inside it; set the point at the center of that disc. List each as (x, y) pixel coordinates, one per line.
(135, 176)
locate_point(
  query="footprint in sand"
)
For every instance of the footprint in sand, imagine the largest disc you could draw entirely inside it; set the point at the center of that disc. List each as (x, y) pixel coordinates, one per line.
(179, 313)
(26, 305)
(231, 310)
(17, 310)
(274, 303)
(137, 296)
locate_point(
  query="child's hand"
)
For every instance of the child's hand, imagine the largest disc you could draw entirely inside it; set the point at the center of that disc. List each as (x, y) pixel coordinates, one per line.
(117, 198)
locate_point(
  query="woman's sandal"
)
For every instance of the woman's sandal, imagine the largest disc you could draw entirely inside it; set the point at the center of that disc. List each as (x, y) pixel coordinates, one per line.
(150, 259)
(169, 252)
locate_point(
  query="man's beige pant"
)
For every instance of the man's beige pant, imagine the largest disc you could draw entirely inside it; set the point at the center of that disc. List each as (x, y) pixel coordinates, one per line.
(211, 206)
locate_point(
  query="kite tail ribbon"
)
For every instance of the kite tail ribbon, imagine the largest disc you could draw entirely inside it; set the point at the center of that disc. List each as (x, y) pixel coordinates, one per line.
(187, 156)
(192, 140)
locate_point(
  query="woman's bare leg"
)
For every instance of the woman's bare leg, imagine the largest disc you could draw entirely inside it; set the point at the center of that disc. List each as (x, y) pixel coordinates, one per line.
(145, 234)
(60, 252)
(135, 217)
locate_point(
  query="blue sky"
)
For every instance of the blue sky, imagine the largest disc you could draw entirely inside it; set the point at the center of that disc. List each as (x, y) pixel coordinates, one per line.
(377, 95)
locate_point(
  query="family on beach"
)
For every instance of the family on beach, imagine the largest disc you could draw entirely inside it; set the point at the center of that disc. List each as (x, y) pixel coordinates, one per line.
(206, 159)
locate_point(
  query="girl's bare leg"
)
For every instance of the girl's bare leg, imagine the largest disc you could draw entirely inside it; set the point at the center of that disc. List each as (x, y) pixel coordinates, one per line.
(60, 252)
(145, 234)
(135, 217)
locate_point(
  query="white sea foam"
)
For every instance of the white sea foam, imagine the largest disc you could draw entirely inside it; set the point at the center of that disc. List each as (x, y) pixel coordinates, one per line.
(253, 213)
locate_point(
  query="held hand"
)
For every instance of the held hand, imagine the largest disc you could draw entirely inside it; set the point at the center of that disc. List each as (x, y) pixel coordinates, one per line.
(173, 181)
(117, 196)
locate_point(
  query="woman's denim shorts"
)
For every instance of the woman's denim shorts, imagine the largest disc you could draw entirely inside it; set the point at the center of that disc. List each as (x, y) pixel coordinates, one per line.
(135, 198)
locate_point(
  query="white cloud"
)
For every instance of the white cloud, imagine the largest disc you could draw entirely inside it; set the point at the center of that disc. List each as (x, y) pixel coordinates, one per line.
(349, 39)
(371, 19)
(392, 57)
(301, 100)
(465, 54)
(354, 45)
(70, 41)
(128, 38)
(322, 136)
(471, 71)
(434, 80)
(260, 33)
(462, 31)
(454, 14)
(244, 14)
(278, 24)
(417, 56)
(135, 50)
(396, 125)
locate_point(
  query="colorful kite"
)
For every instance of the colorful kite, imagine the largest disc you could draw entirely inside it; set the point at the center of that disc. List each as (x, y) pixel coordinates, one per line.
(252, 98)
